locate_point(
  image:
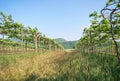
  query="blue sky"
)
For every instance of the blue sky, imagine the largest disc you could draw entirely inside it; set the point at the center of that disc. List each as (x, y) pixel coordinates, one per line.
(54, 18)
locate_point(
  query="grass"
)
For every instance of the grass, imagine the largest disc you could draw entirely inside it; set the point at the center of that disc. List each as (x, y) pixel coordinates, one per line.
(57, 66)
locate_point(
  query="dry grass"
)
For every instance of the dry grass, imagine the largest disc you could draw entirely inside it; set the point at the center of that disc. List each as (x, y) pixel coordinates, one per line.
(41, 65)
(57, 66)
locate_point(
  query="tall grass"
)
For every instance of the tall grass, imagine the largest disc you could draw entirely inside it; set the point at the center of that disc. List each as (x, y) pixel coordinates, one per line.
(57, 66)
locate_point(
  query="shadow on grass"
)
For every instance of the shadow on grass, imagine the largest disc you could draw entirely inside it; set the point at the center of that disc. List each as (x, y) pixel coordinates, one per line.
(34, 77)
(80, 76)
(108, 69)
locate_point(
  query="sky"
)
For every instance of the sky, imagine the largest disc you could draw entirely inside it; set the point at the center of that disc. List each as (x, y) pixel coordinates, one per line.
(54, 18)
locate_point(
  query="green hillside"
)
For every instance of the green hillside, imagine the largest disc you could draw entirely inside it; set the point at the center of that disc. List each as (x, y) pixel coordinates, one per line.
(59, 40)
(66, 44)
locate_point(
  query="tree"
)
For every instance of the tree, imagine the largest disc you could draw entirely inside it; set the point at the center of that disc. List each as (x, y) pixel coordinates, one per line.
(112, 9)
(34, 34)
(5, 22)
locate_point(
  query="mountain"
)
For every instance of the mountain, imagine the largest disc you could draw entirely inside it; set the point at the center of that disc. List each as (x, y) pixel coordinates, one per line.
(66, 44)
(59, 40)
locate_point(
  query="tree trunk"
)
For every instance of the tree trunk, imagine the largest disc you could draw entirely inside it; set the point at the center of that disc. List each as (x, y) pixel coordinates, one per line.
(112, 33)
(36, 44)
(49, 45)
(91, 43)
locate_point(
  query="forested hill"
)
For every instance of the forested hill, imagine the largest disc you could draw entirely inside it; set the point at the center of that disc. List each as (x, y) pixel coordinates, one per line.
(66, 44)
(60, 40)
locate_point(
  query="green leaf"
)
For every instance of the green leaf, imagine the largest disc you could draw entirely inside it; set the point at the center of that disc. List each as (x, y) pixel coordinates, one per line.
(118, 5)
(110, 1)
